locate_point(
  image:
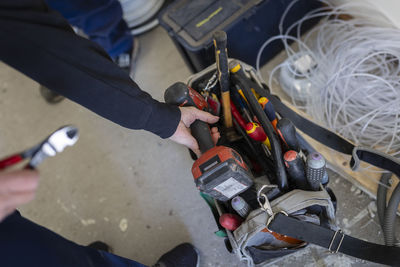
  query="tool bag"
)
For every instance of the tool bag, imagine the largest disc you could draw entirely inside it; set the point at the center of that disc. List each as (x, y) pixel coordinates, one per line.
(254, 243)
(292, 216)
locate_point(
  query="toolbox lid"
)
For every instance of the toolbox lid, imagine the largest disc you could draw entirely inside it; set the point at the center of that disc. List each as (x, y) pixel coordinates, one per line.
(195, 21)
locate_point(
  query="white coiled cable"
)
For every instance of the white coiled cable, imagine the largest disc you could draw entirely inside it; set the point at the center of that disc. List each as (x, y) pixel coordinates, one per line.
(345, 73)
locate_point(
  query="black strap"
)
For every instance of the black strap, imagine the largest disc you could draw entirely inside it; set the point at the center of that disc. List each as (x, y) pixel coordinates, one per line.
(317, 132)
(335, 241)
(375, 158)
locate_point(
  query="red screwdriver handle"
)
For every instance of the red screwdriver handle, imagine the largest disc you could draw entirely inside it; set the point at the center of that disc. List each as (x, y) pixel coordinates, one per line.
(238, 117)
(257, 133)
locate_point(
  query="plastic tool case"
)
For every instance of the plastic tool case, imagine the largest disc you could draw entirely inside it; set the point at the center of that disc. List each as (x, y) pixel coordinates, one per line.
(248, 23)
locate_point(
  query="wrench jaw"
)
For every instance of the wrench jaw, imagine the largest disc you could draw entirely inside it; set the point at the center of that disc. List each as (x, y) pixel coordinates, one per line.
(55, 143)
(62, 138)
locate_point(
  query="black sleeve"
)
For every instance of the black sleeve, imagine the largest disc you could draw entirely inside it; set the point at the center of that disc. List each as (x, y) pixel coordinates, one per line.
(40, 43)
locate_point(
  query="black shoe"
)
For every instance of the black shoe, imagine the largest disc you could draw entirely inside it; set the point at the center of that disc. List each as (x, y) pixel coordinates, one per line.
(127, 61)
(100, 246)
(50, 96)
(183, 255)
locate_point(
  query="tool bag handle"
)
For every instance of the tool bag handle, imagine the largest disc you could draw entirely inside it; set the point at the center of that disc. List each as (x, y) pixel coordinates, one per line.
(335, 241)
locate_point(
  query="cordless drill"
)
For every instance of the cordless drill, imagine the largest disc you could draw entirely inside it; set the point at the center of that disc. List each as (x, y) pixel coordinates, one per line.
(220, 171)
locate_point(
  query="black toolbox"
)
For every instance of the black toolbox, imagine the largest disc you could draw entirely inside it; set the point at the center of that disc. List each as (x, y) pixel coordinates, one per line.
(248, 24)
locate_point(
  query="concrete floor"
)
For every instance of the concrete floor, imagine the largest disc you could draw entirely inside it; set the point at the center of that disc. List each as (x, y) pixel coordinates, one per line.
(131, 189)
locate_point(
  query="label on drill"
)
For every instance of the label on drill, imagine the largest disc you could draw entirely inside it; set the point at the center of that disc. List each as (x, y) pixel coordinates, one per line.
(230, 187)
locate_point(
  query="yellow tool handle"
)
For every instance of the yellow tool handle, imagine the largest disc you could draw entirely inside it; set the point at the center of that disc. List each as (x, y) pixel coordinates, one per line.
(226, 106)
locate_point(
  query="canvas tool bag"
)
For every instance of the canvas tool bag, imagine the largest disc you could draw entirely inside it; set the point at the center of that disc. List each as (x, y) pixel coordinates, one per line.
(262, 234)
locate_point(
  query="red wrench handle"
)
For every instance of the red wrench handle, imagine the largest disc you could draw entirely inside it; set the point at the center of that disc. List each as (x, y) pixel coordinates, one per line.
(14, 159)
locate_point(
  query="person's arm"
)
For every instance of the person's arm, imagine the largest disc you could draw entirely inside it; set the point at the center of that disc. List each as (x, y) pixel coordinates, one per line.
(39, 43)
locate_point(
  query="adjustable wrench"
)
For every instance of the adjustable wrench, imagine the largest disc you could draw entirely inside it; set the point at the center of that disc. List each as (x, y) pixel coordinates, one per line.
(49, 147)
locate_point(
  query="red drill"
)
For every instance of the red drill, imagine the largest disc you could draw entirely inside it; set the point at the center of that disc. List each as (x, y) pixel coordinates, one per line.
(220, 171)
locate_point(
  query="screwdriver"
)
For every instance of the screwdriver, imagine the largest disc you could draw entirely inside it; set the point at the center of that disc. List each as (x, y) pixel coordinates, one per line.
(257, 133)
(238, 117)
(287, 133)
(316, 171)
(269, 110)
(296, 170)
(239, 76)
(239, 100)
(230, 221)
(240, 206)
(242, 94)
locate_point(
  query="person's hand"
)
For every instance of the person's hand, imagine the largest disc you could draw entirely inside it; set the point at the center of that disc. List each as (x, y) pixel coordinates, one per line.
(16, 188)
(182, 134)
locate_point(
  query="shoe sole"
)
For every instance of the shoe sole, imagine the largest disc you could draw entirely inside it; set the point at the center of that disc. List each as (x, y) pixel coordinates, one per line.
(50, 96)
(198, 256)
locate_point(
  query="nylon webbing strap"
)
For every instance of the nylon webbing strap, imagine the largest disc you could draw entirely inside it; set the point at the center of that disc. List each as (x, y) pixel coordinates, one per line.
(375, 158)
(335, 241)
(332, 140)
(317, 132)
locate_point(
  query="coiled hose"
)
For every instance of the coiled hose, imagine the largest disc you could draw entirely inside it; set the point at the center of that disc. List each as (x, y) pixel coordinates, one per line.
(387, 214)
(383, 185)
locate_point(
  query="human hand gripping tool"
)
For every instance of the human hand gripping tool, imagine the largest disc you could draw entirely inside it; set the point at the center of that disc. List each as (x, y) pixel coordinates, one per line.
(220, 171)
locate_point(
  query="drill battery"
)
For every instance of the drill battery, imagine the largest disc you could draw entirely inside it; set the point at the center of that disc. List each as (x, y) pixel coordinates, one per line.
(221, 173)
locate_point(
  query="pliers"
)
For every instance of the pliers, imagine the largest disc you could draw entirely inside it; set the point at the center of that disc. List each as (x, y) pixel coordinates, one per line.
(49, 147)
